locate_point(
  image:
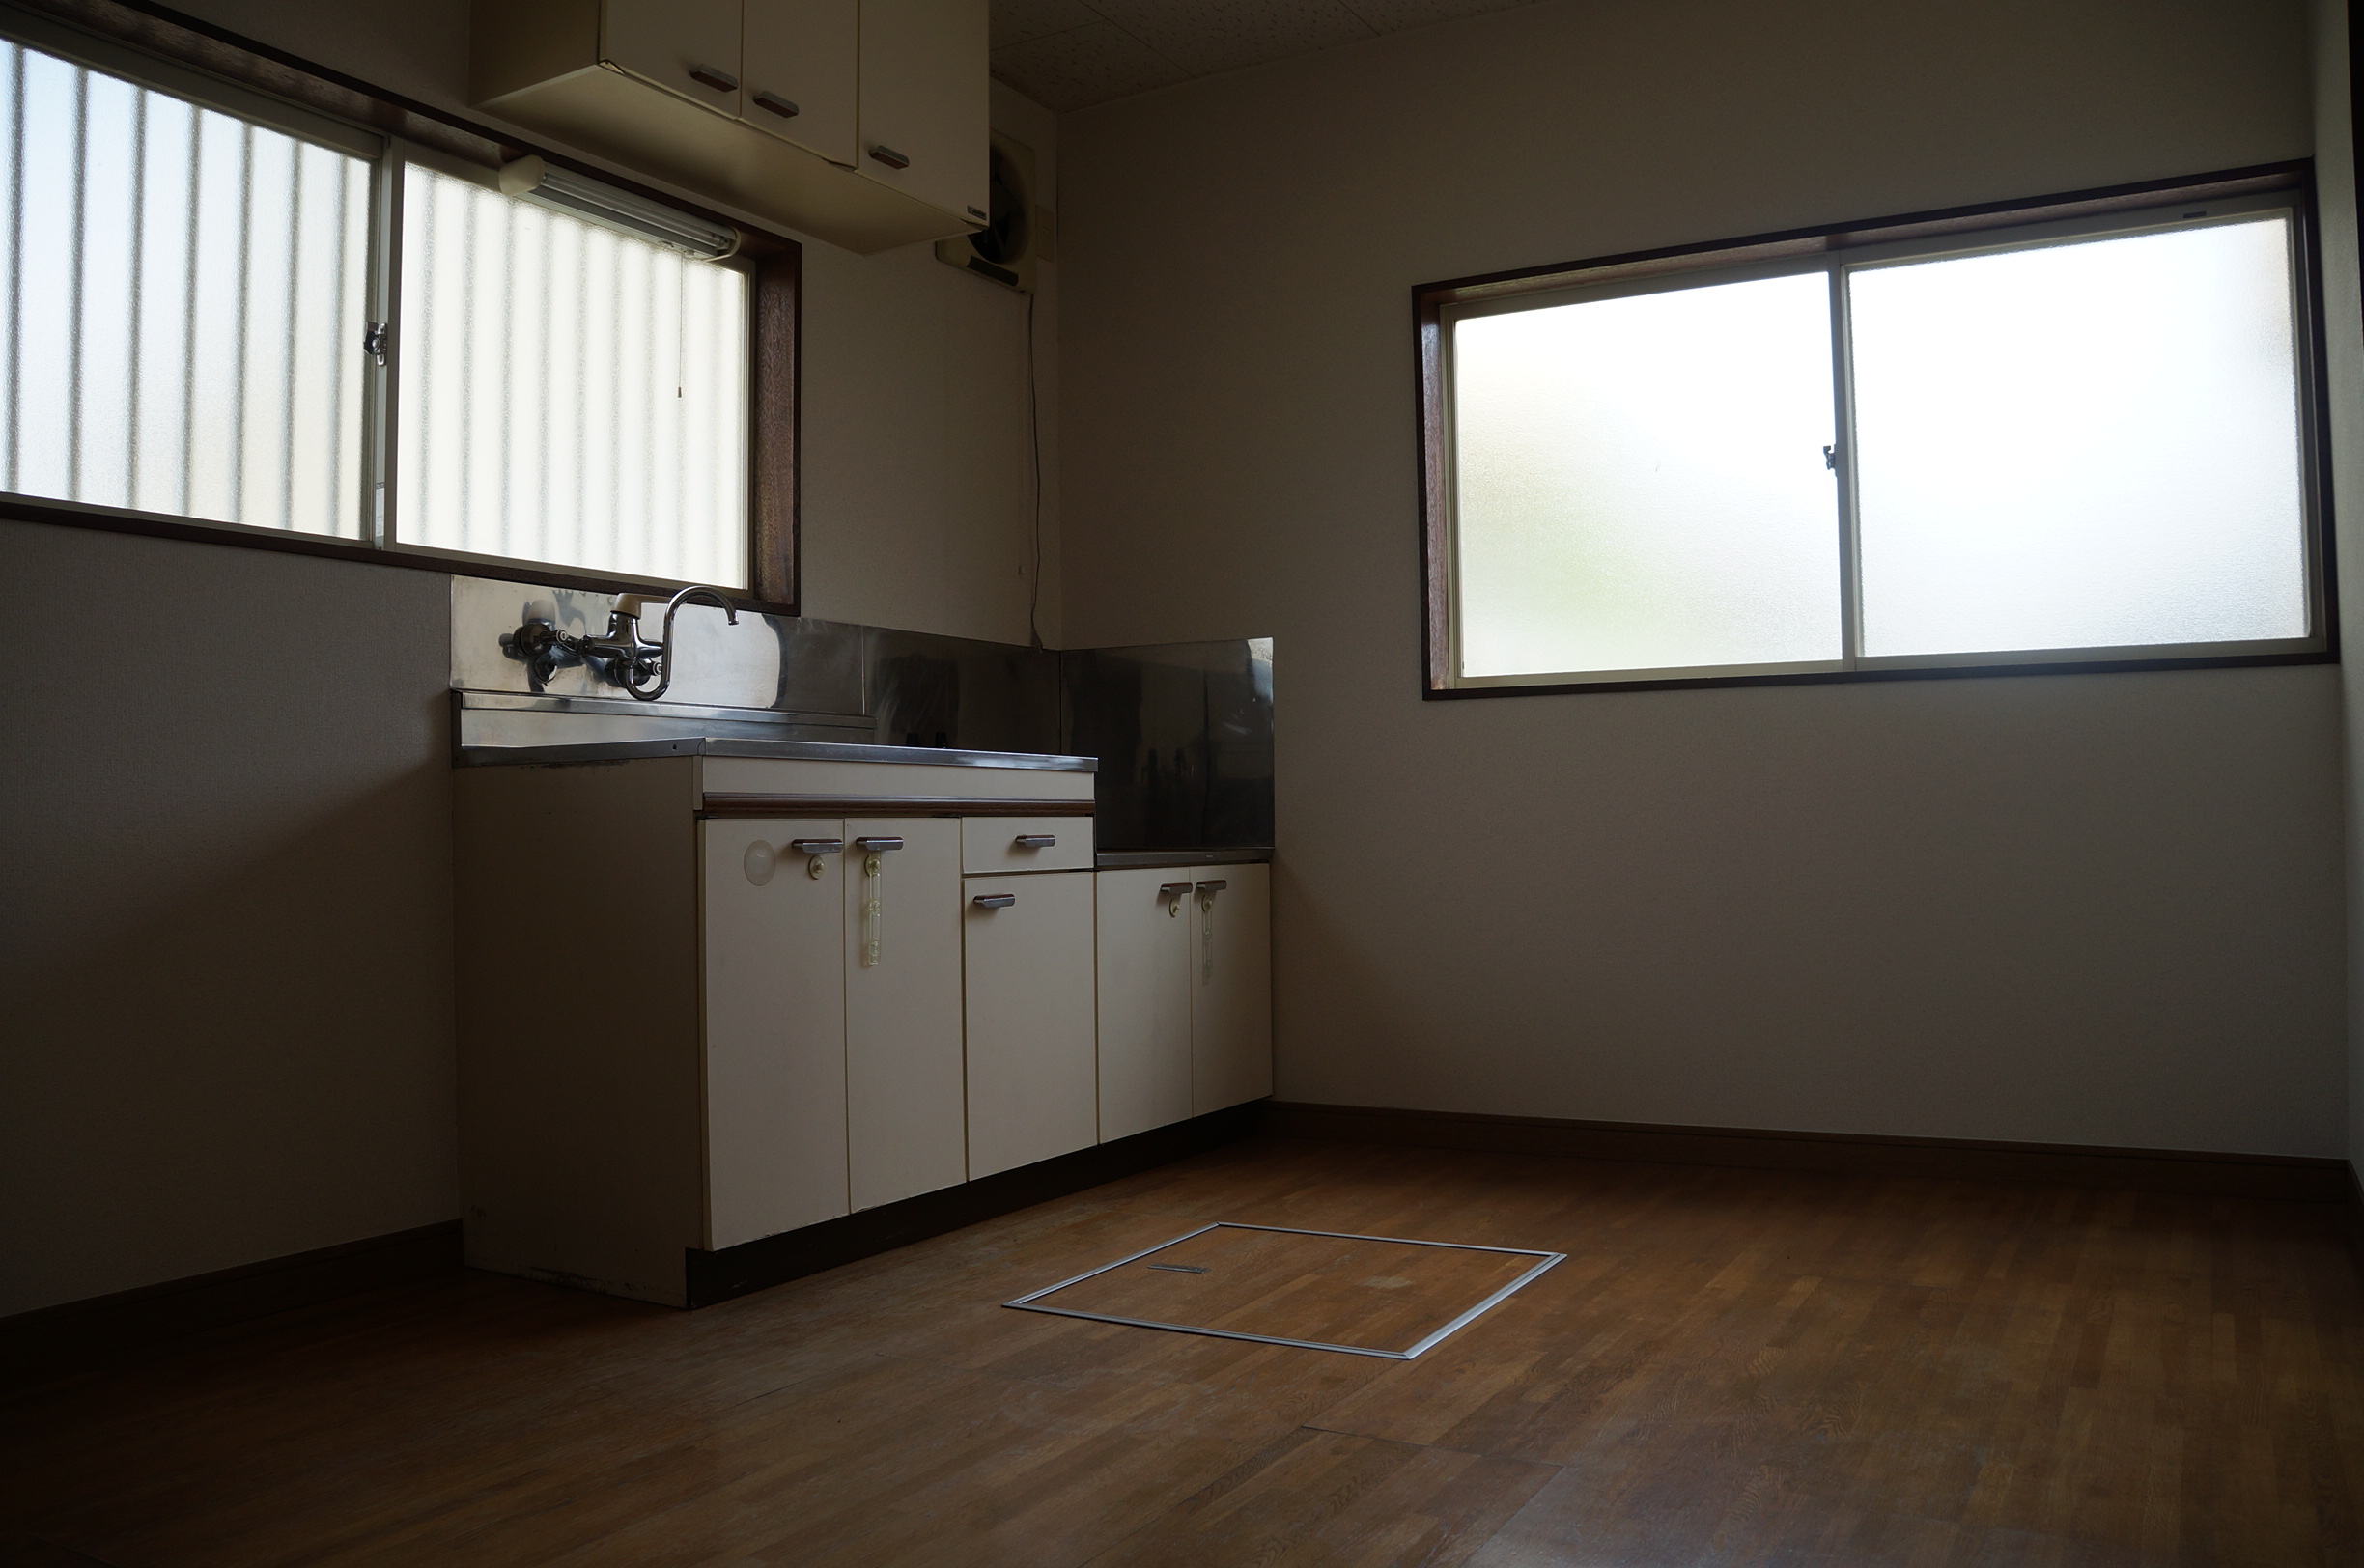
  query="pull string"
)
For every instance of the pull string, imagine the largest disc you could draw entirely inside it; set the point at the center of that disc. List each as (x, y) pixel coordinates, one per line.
(874, 907)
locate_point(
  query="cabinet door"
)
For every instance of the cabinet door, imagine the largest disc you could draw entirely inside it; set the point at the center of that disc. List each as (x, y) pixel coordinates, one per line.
(924, 101)
(1029, 963)
(1144, 954)
(685, 46)
(1231, 965)
(906, 1097)
(802, 55)
(774, 1003)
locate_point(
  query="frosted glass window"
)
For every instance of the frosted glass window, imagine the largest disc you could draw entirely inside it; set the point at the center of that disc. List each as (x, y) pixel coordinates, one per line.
(1640, 482)
(2082, 445)
(569, 393)
(185, 293)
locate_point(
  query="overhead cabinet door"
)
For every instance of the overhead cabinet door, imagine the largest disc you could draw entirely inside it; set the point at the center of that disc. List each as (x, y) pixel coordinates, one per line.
(906, 1095)
(689, 48)
(1029, 963)
(801, 68)
(1230, 986)
(774, 1005)
(925, 113)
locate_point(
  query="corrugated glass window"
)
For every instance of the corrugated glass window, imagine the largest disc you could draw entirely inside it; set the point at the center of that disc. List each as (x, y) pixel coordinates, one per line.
(570, 392)
(184, 291)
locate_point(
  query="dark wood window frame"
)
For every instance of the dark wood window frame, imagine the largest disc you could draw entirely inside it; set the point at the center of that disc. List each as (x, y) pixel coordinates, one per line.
(1430, 300)
(776, 264)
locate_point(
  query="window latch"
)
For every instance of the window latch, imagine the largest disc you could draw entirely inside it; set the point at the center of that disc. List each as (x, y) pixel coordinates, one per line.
(376, 341)
(1830, 453)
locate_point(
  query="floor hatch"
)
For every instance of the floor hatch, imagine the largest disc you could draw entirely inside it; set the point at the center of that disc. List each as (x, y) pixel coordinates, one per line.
(1315, 1289)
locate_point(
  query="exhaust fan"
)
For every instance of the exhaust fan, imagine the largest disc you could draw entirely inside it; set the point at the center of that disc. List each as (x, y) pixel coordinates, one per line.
(1018, 234)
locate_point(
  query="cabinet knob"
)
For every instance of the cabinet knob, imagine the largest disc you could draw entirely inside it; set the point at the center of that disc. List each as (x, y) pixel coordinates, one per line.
(875, 844)
(890, 157)
(817, 846)
(994, 900)
(777, 104)
(1036, 841)
(721, 81)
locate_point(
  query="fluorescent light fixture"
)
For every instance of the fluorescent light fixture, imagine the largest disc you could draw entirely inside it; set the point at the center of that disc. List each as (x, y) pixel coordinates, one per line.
(536, 180)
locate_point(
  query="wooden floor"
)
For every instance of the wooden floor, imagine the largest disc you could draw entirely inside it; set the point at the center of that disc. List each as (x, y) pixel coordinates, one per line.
(1730, 1367)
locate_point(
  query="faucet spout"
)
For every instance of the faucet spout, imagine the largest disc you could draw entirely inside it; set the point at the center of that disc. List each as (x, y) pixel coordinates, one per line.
(631, 671)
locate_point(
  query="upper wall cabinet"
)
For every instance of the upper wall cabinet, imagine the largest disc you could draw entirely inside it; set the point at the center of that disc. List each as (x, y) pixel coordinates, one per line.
(863, 122)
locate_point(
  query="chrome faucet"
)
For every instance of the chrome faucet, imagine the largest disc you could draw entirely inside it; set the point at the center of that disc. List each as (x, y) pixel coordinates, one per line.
(631, 659)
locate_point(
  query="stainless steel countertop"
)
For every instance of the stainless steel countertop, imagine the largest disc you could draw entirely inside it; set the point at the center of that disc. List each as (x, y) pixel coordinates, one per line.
(793, 751)
(1148, 860)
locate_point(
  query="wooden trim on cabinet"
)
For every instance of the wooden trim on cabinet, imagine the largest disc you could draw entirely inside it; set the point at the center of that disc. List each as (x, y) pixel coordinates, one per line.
(719, 804)
(2295, 1177)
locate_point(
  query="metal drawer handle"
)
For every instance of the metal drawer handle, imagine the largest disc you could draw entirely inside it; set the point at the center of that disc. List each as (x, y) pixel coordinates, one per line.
(817, 846)
(994, 900)
(1036, 841)
(1209, 890)
(721, 81)
(890, 157)
(1177, 891)
(876, 843)
(777, 104)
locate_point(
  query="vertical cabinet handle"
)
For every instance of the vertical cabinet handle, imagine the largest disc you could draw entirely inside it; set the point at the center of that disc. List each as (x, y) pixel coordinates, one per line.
(721, 81)
(890, 157)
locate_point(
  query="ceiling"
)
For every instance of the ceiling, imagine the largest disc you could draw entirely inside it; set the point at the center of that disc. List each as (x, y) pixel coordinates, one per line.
(1070, 54)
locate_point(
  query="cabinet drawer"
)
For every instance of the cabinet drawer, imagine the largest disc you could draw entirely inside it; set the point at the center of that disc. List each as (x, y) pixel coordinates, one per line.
(990, 844)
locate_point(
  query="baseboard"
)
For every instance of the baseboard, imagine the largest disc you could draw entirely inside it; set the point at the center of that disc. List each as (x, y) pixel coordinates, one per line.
(2067, 1164)
(54, 1341)
(775, 1260)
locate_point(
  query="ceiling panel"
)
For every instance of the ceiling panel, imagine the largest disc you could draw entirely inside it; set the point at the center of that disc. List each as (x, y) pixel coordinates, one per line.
(1070, 54)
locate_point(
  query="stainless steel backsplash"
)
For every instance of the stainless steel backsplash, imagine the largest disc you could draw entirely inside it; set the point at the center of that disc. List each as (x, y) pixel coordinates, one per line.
(1182, 731)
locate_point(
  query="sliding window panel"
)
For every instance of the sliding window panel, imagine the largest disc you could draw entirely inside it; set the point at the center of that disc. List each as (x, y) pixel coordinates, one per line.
(186, 293)
(569, 394)
(2092, 443)
(1640, 484)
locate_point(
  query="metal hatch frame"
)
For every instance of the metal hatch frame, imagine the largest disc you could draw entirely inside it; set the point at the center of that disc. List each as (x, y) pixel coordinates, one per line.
(1031, 1301)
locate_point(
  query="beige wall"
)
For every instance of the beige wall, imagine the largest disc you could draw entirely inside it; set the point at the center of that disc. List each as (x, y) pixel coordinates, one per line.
(2094, 909)
(227, 961)
(228, 966)
(2344, 343)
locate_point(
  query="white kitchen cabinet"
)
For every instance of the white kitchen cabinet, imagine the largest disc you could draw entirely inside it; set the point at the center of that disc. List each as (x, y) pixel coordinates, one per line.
(1185, 993)
(776, 1002)
(802, 56)
(990, 844)
(694, 91)
(925, 105)
(672, 1057)
(1230, 964)
(1144, 999)
(690, 48)
(1032, 1090)
(906, 1105)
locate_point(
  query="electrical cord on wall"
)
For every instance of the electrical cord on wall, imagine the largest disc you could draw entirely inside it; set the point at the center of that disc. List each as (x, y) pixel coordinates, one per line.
(1034, 441)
